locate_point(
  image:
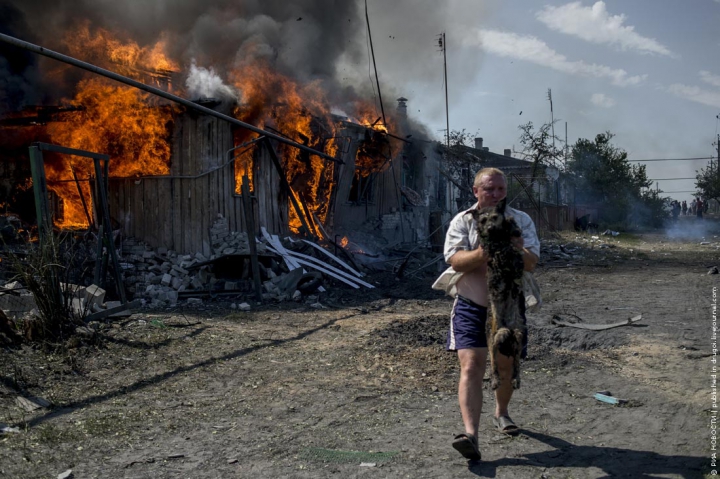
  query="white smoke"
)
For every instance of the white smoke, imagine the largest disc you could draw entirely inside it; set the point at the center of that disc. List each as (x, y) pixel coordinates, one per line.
(205, 83)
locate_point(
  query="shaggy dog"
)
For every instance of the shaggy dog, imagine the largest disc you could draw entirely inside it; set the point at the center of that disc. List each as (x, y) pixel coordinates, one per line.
(505, 327)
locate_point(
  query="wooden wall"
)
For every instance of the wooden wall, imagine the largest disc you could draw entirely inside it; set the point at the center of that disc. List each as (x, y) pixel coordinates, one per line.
(177, 211)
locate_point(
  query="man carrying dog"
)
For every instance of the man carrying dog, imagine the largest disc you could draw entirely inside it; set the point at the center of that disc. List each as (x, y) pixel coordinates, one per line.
(466, 280)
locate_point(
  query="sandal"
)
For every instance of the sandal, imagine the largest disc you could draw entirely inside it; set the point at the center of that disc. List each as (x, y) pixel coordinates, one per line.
(466, 444)
(505, 425)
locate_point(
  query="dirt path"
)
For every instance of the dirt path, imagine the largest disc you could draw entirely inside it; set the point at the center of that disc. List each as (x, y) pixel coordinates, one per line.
(290, 391)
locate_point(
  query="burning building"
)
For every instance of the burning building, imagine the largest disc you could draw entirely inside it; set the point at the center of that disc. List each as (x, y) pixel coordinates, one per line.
(173, 170)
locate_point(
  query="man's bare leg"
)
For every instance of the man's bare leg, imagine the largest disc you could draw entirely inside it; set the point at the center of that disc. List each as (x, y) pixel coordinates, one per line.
(505, 391)
(470, 387)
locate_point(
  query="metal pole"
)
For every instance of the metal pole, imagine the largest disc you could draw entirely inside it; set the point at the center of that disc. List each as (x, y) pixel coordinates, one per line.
(155, 91)
(44, 220)
(447, 107)
(372, 51)
(567, 148)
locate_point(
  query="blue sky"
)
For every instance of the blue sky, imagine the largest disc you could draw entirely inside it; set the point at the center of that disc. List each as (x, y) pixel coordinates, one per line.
(646, 70)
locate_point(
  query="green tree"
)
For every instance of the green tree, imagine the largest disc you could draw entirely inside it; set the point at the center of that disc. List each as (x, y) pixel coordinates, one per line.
(602, 175)
(539, 147)
(707, 183)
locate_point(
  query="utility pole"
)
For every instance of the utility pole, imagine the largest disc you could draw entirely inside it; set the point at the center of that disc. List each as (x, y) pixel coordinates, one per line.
(717, 162)
(552, 118)
(443, 47)
(567, 148)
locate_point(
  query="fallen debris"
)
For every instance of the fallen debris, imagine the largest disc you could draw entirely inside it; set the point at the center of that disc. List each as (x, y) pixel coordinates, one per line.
(556, 319)
(5, 429)
(32, 403)
(609, 399)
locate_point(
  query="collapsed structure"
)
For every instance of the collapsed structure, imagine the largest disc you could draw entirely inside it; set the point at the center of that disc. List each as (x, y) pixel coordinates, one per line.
(175, 173)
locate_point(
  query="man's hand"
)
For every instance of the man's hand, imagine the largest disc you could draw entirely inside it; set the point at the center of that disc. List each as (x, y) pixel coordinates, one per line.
(518, 243)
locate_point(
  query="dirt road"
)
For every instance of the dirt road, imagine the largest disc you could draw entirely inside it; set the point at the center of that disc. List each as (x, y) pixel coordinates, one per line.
(363, 387)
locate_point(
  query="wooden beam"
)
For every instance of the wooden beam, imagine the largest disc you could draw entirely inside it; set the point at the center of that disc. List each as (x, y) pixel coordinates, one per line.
(82, 197)
(250, 222)
(304, 229)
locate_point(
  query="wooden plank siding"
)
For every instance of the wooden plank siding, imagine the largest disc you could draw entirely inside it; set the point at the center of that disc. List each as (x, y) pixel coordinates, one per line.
(177, 211)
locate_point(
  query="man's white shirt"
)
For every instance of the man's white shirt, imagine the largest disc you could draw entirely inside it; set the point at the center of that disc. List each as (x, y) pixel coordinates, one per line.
(462, 236)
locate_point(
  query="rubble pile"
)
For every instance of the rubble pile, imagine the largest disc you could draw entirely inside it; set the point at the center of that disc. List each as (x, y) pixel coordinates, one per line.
(163, 278)
(157, 277)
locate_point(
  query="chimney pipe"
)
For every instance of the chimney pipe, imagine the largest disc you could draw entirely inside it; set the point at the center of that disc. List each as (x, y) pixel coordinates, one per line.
(402, 107)
(478, 143)
(508, 152)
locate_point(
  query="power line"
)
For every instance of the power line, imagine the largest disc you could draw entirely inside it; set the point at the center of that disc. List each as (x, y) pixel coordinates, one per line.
(675, 159)
(670, 179)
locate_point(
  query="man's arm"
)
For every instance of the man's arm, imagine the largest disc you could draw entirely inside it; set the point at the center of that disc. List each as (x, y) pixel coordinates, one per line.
(529, 260)
(464, 261)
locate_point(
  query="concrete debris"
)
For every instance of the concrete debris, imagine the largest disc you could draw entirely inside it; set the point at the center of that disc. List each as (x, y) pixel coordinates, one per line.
(66, 475)
(162, 277)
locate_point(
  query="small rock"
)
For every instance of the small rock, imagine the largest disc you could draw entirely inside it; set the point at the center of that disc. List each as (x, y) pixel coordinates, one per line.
(66, 475)
(84, 332)
(172, 296)
(713, 270)
(297, 295)
(243, 307)
(232, 461)
(233, 306)
(180, 270)
(368, 464)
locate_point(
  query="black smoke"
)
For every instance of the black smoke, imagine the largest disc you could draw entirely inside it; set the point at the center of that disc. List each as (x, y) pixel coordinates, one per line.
(303, 39)
(18, 68)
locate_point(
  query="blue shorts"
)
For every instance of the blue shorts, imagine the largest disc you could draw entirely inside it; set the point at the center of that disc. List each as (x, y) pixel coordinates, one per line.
(467, 326)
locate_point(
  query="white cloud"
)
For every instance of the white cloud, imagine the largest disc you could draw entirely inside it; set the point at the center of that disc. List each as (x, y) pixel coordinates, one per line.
(600, 99)
(534, 50)
(595, 25)
(696, 94)
(708, 77)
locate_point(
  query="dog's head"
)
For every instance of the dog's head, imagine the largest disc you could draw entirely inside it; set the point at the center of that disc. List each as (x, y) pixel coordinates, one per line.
(492, 222)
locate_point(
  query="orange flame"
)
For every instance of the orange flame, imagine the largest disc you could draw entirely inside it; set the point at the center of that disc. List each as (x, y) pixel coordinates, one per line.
(300, 112)
(103, 48)
(116, 121)
(122, 122)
